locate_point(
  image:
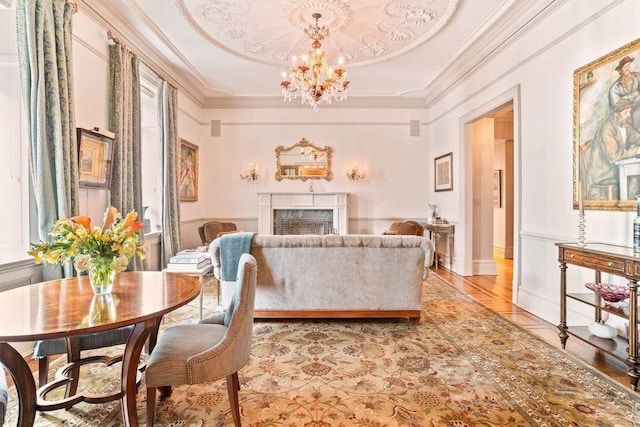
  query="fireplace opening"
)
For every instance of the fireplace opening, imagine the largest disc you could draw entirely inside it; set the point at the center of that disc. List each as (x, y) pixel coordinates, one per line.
(302, 221)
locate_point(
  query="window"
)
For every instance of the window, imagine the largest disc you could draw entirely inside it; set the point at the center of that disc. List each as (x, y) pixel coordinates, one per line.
(151, 154)
(14, 178)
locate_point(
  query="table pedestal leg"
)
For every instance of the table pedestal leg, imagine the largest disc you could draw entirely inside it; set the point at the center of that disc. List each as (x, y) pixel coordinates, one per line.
(24, 382)
(130, 361)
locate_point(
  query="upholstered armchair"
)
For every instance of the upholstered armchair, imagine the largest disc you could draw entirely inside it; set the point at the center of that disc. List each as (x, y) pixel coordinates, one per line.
(409, 228)
(215, 348)
(209, 231)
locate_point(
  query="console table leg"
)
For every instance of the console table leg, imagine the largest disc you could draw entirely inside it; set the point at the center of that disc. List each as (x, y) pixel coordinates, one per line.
(563, 305)
(632, 358)
(24, 382)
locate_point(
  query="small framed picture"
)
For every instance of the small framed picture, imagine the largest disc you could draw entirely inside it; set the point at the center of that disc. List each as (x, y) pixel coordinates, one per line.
(188, 172)
(497, 188)
(443, 172)
(95, 155)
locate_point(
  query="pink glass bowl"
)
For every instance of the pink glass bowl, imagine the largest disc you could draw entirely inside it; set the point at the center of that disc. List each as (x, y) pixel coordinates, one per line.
(609, 292)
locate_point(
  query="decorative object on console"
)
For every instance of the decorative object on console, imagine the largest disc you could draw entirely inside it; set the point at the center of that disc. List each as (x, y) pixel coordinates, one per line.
(251, 174)
(581, 217)
(355, 173)
(433, 216)
(312, 79)
(609, 292)
(636, 228)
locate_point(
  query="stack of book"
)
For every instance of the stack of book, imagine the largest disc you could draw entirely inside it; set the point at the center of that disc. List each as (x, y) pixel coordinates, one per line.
(189, 261)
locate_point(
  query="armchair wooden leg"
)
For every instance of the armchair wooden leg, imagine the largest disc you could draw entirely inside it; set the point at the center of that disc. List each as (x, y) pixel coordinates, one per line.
(151, 405)
(233, 385)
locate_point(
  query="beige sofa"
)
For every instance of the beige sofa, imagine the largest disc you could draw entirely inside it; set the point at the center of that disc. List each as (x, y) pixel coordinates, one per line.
(344, 276)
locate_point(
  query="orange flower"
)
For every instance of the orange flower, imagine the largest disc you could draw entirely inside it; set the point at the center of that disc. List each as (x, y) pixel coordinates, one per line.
(134, 228)
(84, 221)
(131, 217)
(109, 217)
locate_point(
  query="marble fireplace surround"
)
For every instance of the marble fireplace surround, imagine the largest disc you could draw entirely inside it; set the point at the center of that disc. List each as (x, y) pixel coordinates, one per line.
(308, 205)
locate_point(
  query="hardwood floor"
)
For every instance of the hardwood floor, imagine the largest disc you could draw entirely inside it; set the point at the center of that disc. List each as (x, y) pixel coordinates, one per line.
(495, 293)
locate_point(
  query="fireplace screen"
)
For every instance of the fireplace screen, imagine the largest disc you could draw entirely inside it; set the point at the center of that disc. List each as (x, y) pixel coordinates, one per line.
(303, 221)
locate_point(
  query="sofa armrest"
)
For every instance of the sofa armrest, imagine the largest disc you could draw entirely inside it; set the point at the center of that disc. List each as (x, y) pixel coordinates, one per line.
(214, 249)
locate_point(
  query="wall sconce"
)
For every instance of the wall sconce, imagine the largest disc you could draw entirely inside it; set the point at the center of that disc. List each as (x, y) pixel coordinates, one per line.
(354, 173)
(251, 174)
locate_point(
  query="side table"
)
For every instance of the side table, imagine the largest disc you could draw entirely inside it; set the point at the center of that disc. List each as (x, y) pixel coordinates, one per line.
(435, 231)
(200, 273)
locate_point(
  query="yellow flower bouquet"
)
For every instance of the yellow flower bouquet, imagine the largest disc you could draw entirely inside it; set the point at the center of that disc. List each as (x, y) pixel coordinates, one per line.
(104, 251)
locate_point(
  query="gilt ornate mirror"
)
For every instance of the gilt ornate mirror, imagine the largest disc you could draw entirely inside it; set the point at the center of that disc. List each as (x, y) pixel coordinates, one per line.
(303, 161)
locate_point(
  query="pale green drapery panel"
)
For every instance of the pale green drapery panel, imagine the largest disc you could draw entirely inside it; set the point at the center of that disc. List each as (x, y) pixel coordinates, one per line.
(168, 122)
(45, 56)
(125, 122)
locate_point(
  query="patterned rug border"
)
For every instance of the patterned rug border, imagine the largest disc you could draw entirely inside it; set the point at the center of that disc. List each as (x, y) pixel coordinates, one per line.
(593, 371)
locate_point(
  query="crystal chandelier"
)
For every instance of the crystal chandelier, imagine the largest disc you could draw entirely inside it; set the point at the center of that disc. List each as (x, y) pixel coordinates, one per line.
(312, 79)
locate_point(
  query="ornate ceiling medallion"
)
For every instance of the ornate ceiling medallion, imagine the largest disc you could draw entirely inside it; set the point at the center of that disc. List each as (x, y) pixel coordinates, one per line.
(362, 31)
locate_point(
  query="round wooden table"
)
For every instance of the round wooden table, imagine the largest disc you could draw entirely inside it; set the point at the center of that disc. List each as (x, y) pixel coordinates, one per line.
(67, 308)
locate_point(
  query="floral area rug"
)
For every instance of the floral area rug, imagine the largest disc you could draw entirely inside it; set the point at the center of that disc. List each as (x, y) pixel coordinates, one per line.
(463, 366)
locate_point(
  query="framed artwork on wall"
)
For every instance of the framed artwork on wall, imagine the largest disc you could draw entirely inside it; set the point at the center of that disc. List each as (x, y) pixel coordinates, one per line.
(95, 156)
(497, 188)
(188, 172)
(443, 172)
(606, 130)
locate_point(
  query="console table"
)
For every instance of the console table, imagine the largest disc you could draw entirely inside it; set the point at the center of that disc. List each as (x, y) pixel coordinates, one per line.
(437, 229)
(611, 259)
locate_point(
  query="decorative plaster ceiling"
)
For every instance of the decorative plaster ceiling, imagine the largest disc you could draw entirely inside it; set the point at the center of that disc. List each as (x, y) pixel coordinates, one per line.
(271, 32)
(397, 51)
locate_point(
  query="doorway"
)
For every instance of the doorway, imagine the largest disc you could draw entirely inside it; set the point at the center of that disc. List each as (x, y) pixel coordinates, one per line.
(491, 170)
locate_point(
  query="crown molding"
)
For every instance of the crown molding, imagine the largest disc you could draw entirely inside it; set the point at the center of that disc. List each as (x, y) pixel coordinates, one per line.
(364, 102)
(515, 22)
(103, 13)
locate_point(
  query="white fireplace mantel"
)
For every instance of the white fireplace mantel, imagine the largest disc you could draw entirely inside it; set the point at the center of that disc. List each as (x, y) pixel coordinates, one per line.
(337, 202)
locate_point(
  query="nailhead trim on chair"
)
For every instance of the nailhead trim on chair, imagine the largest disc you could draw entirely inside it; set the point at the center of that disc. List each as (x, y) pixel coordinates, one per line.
(229, 342)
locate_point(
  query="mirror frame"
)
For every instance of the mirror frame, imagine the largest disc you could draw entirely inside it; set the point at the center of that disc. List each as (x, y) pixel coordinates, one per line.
(301, 144)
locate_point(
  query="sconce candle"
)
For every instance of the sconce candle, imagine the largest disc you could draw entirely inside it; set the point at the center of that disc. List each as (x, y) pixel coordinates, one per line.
(354, 172)
(251, 174)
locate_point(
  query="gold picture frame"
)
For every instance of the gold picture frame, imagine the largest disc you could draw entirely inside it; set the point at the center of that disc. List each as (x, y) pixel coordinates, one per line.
(188, 172)
(606, 167)
(95, 159)
(443, 172)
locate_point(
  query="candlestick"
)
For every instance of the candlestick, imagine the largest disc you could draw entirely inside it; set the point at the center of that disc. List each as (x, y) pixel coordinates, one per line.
(580, 204)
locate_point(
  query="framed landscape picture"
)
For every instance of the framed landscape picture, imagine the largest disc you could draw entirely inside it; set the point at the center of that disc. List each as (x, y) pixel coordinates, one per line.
(95, 156)
(443, 172)
(497, 188)
(606, 130)
(188, 172)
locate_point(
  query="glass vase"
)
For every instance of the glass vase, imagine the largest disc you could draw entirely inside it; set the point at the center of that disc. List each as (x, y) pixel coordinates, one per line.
(101, 277)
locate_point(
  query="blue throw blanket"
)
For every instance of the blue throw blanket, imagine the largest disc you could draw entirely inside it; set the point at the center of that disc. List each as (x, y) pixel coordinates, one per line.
(232, 246)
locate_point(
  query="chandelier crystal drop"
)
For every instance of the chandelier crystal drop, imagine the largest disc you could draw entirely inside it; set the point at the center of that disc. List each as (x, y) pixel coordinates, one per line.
(311, 78)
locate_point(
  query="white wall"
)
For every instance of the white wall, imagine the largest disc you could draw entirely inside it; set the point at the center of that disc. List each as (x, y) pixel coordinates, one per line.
(538, 72)
(397, 165)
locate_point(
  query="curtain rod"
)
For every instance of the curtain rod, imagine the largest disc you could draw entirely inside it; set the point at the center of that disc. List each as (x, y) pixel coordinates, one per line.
(116, 40)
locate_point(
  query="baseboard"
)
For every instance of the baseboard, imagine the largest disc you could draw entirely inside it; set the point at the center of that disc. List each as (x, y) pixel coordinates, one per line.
(485, 267)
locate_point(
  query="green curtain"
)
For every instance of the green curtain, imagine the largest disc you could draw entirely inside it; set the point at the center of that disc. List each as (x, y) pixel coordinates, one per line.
(44, 29)
(125, 122)
(168, 123)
